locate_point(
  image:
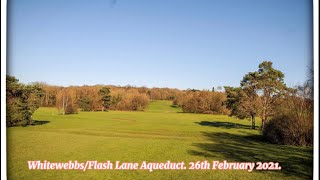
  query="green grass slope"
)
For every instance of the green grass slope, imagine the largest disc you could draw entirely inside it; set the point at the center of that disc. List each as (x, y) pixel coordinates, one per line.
(159, 134)
(162, 107)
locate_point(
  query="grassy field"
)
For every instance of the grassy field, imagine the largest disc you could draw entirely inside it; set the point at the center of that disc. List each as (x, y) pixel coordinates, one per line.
(159, 134)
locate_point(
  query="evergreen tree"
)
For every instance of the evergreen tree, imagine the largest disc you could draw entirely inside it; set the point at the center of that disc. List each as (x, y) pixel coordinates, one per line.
(22, 101)
(104, 93)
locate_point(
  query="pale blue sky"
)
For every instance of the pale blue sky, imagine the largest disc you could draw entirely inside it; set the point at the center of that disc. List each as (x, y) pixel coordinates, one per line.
(163, 43)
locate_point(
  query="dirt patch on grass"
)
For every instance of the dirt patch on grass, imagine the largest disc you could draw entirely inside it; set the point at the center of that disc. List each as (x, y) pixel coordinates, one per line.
(123, 119)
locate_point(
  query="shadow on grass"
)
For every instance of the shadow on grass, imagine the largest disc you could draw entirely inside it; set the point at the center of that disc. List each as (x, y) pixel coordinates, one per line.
(36, 123)
(226, 125)
(295, 161)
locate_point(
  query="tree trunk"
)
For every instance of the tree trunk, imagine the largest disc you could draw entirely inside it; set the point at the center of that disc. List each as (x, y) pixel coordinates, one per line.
(253, 122)
(263, 117)
(63, 105)
(47, 99)
(263, 122)
(66, 106)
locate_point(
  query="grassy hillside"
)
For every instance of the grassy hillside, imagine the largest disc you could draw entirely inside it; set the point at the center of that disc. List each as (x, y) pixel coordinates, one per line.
(159, 134)
(162, 107)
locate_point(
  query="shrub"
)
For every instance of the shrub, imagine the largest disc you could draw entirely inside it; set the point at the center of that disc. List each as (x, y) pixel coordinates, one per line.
(289, 130)
(293, 122)
(129, 100)
(202, 102)
(138, 102)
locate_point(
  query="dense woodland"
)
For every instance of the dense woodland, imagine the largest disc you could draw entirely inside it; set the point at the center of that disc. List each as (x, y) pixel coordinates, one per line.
(286, 113)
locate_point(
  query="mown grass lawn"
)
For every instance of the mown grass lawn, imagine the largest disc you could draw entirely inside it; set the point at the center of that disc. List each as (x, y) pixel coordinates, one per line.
(159, 134)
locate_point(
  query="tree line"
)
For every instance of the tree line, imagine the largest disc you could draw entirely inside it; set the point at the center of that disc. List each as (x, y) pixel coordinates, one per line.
(204, 102)
(72, 99)
(286, 112)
